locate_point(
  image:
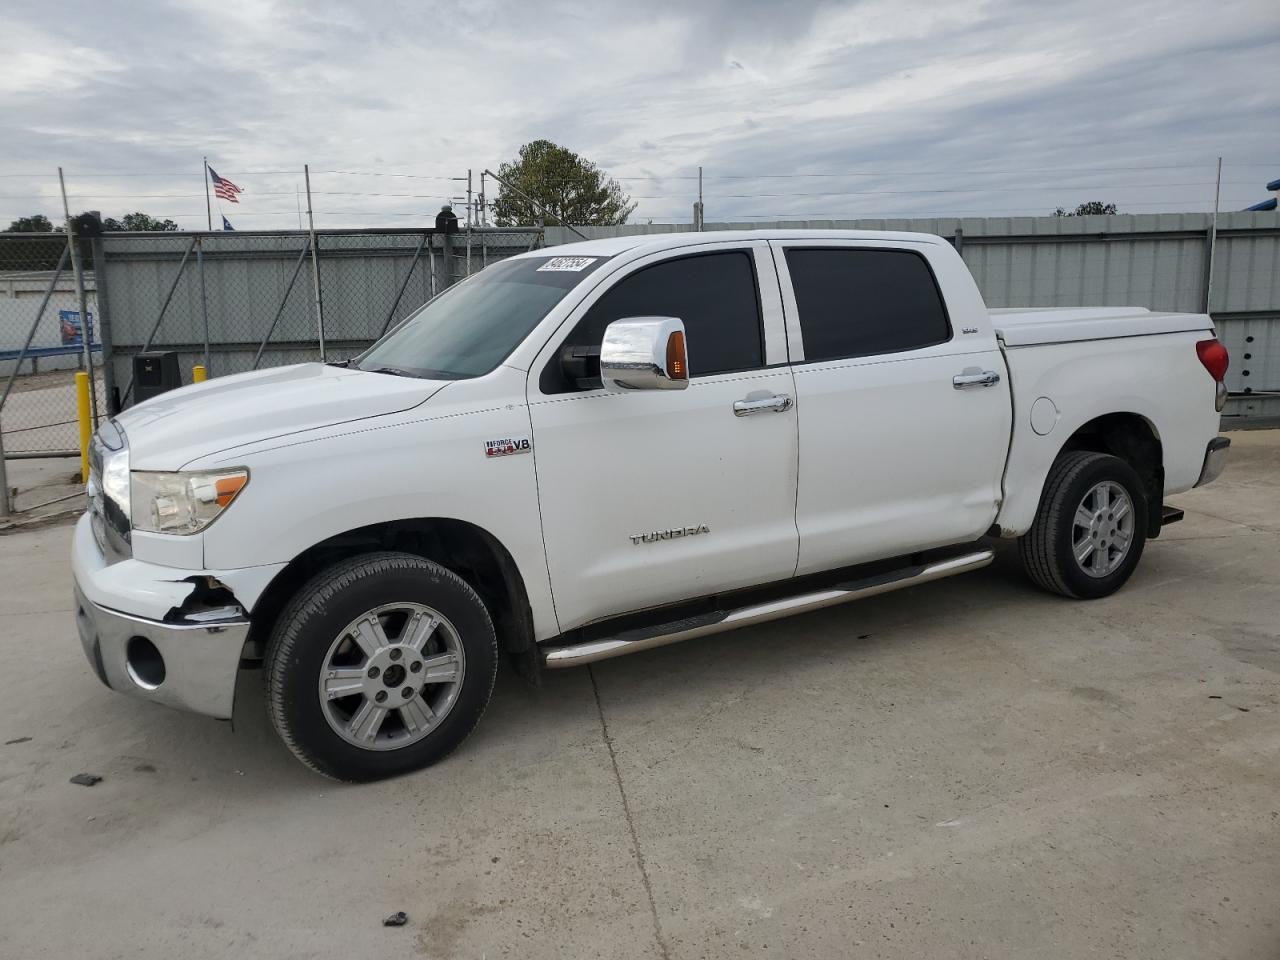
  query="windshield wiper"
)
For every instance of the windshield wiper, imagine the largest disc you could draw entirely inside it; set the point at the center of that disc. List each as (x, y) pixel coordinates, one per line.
(394, 371)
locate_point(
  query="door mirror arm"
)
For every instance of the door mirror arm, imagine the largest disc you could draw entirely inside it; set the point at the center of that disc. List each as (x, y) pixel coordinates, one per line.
(580, 367)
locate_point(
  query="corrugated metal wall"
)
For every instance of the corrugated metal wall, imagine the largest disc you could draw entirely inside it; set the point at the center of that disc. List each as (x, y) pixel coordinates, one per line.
(1158, 261)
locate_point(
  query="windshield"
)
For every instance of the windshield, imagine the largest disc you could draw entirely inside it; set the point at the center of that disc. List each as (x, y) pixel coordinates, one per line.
(472, 327)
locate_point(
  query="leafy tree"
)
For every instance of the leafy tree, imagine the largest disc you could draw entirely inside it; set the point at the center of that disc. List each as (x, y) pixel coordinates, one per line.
(138, 221)
(571, 189)
(1092, 208)
(36, 224)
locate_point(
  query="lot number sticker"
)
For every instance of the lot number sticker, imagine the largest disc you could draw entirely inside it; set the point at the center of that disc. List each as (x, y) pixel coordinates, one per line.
(566, 264)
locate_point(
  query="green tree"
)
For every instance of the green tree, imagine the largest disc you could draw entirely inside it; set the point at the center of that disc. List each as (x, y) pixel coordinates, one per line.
(570, 188)
(138, 221)
(1092, 208)
(36, 224)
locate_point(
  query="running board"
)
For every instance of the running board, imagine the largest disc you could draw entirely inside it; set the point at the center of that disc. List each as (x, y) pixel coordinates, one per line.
(631, 641)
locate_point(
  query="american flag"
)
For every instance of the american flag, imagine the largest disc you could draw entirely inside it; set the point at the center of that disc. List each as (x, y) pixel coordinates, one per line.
(224, 188)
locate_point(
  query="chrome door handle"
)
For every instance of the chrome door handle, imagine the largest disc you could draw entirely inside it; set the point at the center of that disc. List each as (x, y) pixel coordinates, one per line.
(987, 378)
(778, 403)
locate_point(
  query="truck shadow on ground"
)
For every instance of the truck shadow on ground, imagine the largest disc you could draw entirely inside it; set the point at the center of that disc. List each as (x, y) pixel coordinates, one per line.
(523, 718)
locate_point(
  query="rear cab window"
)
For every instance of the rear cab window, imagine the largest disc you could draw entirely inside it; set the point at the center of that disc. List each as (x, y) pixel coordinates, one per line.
(860, 302)
(716, 296)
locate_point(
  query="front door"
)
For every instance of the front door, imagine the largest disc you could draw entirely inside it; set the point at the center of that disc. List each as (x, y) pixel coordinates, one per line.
(656, 496)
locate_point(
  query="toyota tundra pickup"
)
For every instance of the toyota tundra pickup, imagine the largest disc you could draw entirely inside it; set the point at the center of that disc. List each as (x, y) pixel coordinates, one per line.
(597, 449)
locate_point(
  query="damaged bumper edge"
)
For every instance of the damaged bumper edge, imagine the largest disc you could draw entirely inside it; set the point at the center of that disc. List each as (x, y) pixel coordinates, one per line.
(191, 666)
(140, 639)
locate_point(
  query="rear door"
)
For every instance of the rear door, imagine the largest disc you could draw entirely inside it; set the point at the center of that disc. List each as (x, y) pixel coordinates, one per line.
(894, 457)
(655, 496)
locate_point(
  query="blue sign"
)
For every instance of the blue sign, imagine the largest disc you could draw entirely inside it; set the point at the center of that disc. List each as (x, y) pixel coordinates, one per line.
(69, 328)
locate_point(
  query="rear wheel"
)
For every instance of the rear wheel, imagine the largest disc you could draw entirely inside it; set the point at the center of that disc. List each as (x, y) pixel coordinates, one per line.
(1089, 531)
(380, 665)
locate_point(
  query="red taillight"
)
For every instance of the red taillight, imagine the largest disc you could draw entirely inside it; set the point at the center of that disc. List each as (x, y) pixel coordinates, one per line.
(1214, 357)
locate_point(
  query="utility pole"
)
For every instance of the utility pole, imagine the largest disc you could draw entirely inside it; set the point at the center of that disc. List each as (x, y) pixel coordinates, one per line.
(1213, 239)
(315, 263)
(697, 207)
(77, 269)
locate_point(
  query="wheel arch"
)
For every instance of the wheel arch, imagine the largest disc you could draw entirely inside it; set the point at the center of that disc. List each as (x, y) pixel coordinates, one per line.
(468, 550)
(1135, 439)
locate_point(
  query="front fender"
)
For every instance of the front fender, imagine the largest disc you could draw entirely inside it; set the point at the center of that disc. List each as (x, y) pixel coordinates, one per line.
(401, 467)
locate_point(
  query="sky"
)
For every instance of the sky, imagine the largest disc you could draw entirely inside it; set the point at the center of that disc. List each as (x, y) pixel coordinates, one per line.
(793, 110)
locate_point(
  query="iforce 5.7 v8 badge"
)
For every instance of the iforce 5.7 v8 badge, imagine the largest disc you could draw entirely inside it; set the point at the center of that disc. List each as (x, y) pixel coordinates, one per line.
(507, 446)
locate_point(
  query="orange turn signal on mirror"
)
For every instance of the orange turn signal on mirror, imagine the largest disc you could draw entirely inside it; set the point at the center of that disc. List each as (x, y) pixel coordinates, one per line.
(228, 487)
(677, 362)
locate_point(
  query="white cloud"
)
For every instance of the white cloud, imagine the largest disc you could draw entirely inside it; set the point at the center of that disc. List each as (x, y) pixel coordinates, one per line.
(883, 88)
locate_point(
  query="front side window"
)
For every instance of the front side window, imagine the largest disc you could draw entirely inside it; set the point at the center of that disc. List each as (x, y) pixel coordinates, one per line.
(859, 303)
(473, 326)
(713, 293)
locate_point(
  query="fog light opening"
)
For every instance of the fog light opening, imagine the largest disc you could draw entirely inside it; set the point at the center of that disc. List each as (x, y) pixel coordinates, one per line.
(144, 663)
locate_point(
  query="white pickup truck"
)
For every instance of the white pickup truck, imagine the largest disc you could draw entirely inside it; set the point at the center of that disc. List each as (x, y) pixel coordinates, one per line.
(587, 451)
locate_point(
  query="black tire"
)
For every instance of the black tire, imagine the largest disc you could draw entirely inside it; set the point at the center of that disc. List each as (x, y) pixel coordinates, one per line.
(299, 646)
(1046, 549)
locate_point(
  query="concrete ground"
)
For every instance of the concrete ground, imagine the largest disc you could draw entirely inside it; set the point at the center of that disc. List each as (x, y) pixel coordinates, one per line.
(972, 769)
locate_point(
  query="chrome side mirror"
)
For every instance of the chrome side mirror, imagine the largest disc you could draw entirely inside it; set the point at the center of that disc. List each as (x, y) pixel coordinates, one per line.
(644, 353)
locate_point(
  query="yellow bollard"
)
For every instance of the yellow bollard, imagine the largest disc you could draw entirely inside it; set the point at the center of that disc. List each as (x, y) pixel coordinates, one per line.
(86, 424)
(199, 374)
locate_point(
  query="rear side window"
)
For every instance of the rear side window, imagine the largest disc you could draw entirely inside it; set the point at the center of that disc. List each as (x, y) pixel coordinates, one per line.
(713, 293)
(858, 303)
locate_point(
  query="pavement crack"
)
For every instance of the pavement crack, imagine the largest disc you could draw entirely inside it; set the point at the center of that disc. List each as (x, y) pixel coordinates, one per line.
(631, 825)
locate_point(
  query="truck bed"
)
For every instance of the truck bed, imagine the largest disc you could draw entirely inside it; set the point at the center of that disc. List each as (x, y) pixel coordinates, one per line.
(1026, 326)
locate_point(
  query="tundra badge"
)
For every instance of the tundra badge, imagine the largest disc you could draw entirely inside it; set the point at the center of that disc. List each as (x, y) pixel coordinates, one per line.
(671, 534)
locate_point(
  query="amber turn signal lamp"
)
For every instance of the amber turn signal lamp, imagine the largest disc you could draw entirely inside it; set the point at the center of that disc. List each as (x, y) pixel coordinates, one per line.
(228, 487)
(677, 362)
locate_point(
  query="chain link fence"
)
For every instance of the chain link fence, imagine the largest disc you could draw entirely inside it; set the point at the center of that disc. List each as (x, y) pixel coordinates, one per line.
(42, 344)
(236, 302)
(229, 301)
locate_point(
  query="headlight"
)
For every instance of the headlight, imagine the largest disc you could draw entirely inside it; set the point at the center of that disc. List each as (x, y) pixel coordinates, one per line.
(115, 480)
(183, 503)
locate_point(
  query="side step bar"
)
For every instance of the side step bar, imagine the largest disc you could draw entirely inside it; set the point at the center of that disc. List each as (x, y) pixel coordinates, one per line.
(1170, 515)
(647, 638)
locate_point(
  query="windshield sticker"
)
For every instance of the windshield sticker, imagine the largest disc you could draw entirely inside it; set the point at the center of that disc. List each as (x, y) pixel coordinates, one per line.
(567, 264)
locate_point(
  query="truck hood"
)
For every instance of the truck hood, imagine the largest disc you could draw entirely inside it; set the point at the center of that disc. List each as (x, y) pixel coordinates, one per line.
(171, 430)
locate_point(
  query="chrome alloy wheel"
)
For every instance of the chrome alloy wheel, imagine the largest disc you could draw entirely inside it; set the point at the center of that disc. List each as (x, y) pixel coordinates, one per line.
(391, 676)
(1102, 529)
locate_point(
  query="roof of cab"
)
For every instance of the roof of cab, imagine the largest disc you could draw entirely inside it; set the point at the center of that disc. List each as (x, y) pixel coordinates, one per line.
(653, 242)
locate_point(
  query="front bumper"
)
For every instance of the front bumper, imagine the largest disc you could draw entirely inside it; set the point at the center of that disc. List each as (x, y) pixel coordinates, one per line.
(1215, 460)
(197, 663)
(147, 653)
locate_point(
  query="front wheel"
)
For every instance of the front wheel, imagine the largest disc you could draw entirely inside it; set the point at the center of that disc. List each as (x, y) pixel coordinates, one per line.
(1090, 528)
(380, 665)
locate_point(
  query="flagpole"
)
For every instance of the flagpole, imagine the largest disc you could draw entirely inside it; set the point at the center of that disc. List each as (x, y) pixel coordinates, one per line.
(208, 209)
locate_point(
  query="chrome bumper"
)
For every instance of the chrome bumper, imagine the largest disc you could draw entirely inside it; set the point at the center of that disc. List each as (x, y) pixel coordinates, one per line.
(1215, 459)
(197, 664)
